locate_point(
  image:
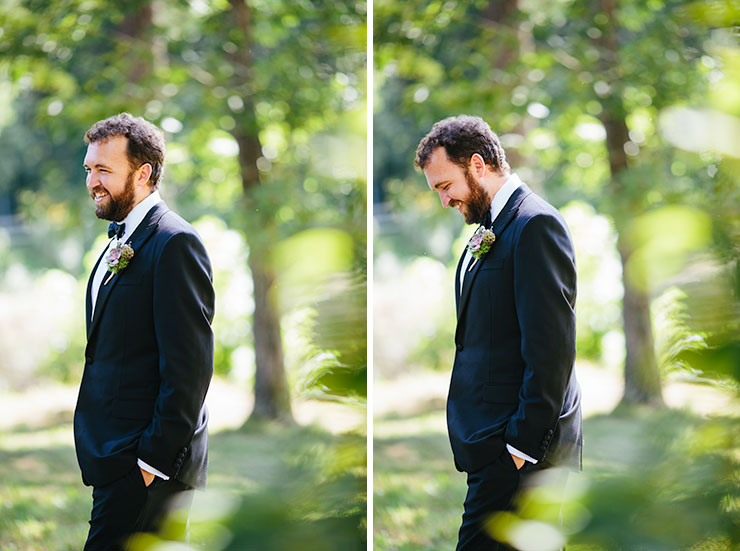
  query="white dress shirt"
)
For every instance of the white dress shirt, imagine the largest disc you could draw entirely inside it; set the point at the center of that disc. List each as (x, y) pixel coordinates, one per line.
(498, 203)
(132, 221)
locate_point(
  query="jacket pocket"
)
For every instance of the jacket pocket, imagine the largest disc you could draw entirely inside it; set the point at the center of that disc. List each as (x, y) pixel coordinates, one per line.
(496, 264)
(133, 409)
(501, 394)
(127, 279)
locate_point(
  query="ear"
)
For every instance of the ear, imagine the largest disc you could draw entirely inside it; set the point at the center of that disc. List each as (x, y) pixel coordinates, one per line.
(477, 165)
(145, 172)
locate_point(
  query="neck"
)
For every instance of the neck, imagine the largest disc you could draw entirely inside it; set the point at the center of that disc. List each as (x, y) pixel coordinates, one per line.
(143, 195)
(495, 182)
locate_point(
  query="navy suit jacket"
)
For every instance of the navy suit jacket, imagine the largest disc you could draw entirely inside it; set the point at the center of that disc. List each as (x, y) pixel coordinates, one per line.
(513, 380)
(149, 359)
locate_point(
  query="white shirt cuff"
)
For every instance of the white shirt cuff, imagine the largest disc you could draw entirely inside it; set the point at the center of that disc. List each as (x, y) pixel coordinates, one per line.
(513, 451)
(152, 470)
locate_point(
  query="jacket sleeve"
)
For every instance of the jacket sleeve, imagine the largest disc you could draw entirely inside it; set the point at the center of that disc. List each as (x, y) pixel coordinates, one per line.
(183, 302)
(544, 293)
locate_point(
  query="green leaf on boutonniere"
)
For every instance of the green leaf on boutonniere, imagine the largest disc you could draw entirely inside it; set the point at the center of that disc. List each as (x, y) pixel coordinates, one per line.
(480, 244)
(117, 259)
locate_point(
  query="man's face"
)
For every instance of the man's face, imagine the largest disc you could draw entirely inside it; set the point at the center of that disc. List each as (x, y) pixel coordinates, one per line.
(110, 178)
(457, 187)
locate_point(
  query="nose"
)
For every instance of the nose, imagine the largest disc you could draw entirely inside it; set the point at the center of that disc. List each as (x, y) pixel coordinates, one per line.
(90, 181)
(444, 198)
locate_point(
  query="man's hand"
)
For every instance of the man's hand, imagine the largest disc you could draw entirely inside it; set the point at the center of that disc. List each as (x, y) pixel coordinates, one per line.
(149, 477)
(518, 461)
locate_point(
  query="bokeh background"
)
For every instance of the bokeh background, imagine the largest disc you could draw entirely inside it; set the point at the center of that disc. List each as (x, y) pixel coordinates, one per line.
(263, 104)
(626, 116)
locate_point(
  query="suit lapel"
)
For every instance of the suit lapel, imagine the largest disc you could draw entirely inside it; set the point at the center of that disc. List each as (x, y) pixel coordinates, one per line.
(88, 296)
(143, 232)
(499, 225)
(457, 280)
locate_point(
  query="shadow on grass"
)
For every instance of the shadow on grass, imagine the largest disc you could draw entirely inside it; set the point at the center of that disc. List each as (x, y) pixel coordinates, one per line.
(269, 484)
(45, 505)
(418, 494)
(653, 479)
(280, 487)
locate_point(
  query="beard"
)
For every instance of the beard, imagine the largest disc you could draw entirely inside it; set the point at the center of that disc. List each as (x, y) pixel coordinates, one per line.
(118, 206)
(478, 202)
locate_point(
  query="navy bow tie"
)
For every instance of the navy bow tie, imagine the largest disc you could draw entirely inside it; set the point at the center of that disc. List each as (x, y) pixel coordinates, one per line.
(116, 229)
(486, 222)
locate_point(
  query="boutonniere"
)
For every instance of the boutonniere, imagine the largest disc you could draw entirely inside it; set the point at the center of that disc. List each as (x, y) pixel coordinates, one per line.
(117, 259)
(480, 244)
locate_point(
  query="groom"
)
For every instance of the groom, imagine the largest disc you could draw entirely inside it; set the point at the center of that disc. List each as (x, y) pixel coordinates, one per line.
(514, 404)
(140, 424)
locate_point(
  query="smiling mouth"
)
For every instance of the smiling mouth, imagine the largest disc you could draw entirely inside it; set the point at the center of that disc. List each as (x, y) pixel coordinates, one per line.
(98, 196)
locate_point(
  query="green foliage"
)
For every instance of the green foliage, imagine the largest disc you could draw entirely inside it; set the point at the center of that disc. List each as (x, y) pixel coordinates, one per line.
(676, 489)
(267, 486)
(545, 78)
(318, 504)
(63, 73)
(340, 338)
(664, 481)
(65, 65)
(550, 78)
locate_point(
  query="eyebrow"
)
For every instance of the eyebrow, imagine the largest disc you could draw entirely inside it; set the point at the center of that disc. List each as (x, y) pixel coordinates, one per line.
(97, 165)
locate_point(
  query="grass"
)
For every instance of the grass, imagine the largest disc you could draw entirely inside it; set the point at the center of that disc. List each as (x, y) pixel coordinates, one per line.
(417, 491)
(651, 479)
(45, 506)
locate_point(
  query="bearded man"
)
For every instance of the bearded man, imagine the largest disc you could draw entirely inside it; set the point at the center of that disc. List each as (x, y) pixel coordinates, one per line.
(514, 405)
(140, 423)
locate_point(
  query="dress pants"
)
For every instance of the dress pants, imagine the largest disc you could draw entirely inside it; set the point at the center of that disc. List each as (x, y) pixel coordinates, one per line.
(495, 488)
(127, 506)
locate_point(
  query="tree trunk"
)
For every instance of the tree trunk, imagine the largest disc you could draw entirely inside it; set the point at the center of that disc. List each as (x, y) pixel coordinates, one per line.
(641, 376)
(271, 393)
(135, 33)
(500, 17)
(642, 383)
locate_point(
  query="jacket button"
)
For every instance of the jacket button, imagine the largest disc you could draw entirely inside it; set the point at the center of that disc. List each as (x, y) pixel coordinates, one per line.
(549, 432)
(89, 359)
(459, 347)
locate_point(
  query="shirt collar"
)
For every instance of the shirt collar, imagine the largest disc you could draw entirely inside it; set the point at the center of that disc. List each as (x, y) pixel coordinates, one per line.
(137, 214)
(504, 194)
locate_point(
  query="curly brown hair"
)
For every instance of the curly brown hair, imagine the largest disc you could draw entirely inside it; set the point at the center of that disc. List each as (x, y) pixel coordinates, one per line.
(462, 137)
(145, 142)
